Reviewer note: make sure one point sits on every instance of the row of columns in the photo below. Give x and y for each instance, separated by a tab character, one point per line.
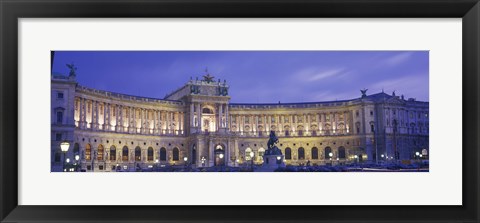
319	119
120	118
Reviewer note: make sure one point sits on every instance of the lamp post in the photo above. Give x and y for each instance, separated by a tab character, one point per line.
279	161
356	158
77	158
331	161
64	147
185	159
251	158
203	161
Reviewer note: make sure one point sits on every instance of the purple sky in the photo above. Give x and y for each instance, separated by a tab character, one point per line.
255	76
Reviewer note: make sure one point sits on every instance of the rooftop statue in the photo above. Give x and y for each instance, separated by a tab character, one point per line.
72	69
272	148
208	78
364	92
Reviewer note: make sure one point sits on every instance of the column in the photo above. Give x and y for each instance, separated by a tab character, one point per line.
159	116
227	118
256	123
220	115
84	116
135	126
192	124
155	122
117	119
345	122
107	111
309	130
105	125
95	115
199	117
122	123
129	114
141	120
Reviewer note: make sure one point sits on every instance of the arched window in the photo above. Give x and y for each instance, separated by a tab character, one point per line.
100	152
125	153
314	153
163	154
176	154
328	150
288	154
138	154
76	149
88	152
207	111
150	154
113	153
341	152
301	153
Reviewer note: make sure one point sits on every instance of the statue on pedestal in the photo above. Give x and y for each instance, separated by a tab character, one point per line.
272	148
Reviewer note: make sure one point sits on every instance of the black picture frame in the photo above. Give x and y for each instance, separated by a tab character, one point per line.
11	11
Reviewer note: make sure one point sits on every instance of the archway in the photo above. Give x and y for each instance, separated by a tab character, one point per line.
219	155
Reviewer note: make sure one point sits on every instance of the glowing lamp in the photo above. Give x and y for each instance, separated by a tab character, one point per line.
64	146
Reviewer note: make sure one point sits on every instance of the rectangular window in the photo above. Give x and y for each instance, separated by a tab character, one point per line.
286	119
59	95
58	137
59	117
273	119
247	120
371	113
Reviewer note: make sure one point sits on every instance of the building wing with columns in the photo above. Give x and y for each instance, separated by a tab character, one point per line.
197	125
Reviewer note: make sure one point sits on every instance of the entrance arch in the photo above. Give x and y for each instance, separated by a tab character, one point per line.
219	155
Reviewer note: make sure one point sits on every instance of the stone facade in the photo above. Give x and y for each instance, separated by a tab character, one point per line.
197	123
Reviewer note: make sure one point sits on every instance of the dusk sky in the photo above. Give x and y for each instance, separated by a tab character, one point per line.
255	76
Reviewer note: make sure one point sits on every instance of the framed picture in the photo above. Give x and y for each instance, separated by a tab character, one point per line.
239	111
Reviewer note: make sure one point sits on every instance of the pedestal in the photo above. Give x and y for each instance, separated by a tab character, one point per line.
272	162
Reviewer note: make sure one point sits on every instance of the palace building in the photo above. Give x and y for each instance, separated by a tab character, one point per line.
197	125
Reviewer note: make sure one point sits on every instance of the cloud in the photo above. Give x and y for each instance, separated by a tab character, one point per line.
398	59
316	74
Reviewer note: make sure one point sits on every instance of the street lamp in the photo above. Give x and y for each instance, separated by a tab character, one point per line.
251	158
356	158
203	161
185	160
77	158
64	147
331	161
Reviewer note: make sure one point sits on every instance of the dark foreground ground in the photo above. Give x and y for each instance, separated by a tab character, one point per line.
389	167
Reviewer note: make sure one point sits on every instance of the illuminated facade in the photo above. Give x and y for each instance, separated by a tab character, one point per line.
198	126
